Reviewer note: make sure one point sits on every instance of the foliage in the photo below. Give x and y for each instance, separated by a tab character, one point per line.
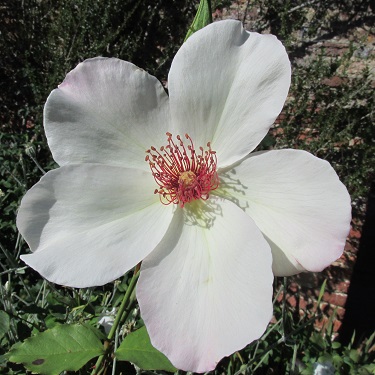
201	19
42	40
137	348
311	19
64	347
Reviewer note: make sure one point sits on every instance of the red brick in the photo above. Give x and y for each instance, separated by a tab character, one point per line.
342	286
354	233
334	81
349	247
322	324
292	301
340	311
293	287
336	299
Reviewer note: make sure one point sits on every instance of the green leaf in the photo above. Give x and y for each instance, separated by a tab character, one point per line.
337	360
354	356
321	293
336	345
267	142
4	323
369	343
63	348
137	348
201	19
97	332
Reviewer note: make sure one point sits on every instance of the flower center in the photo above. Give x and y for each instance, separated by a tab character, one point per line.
182	173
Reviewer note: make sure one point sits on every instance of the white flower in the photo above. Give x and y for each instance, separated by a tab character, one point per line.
205	286
325	368
107	319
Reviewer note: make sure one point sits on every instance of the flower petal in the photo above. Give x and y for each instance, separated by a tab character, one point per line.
227	86
86	223
299	204
106	111
206	290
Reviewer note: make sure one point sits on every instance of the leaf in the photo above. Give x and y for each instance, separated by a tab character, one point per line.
97	332
369	343
268	141
336	345
354	356
201	19
62	348
136	348
337	361
4	323
321	292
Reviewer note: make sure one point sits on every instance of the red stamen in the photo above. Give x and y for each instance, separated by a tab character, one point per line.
181	174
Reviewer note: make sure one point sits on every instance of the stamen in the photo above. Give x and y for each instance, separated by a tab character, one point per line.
181	174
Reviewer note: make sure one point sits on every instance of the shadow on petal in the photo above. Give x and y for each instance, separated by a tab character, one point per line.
34	213
202	213
230	187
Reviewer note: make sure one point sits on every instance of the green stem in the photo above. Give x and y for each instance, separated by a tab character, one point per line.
118	320
284	317
129	308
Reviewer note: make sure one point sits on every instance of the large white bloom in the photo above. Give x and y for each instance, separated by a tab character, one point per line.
208	263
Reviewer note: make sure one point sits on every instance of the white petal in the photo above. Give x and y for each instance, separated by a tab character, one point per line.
227	86
106	111
298	202
206	290
89	224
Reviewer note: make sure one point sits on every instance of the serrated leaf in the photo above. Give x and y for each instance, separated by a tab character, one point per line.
136	348
4	323
62	348
201	19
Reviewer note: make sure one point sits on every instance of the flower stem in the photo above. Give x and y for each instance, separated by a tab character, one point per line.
120	313
284	317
